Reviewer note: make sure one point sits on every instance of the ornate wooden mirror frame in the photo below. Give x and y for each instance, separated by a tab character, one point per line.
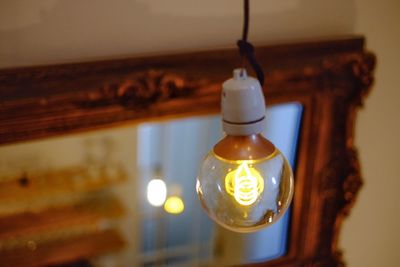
329	78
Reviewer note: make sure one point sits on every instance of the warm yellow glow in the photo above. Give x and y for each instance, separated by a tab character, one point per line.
174	205
245	184
156	192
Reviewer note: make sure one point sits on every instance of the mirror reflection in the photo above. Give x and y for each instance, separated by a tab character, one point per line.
126	197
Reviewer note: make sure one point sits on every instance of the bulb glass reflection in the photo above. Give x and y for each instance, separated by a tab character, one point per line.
245	195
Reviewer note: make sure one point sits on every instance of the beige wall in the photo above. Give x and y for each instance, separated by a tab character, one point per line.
371	235
52	31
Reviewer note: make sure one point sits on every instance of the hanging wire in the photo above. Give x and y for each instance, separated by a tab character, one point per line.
246	11
246	49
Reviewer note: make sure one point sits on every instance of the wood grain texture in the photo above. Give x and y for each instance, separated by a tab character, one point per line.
55	183
28	225
64	251
329	78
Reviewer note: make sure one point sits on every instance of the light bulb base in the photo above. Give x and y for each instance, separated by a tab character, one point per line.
243	105
243	129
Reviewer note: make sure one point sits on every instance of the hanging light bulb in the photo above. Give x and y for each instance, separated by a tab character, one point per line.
244	183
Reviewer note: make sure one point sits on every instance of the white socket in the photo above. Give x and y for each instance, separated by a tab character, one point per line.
242	104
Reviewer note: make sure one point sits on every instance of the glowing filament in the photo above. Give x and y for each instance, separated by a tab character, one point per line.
245	184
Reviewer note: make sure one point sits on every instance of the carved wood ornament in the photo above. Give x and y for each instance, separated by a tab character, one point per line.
329	78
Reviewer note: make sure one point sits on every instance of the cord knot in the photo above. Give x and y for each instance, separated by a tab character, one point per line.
246	50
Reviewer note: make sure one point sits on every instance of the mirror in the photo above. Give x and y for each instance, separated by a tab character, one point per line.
81	199
103	177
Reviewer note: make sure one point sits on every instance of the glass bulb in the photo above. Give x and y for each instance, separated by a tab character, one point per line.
245	183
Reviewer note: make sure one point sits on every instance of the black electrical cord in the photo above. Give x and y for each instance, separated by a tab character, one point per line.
246	49
246	11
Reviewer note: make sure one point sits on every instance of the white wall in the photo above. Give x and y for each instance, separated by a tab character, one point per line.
53	31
